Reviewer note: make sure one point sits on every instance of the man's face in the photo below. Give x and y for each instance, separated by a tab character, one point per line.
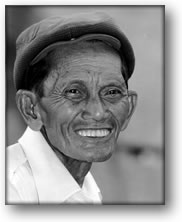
85	102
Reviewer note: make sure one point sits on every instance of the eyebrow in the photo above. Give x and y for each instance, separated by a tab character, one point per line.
80	82
115	83
83	83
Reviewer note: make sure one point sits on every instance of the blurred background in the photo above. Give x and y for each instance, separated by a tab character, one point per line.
135	172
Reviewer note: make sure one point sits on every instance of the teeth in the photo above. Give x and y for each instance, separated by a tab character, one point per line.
93	133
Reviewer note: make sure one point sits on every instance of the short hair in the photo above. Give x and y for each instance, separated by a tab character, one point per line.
37	73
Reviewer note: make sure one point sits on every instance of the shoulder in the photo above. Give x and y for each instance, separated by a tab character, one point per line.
15	157
20	182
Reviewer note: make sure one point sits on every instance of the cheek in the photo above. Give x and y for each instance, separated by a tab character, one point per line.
57	114
120	112
56	120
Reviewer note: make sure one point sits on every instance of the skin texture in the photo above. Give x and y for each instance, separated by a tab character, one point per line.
84	90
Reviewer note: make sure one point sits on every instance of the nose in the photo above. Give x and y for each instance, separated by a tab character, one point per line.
95	110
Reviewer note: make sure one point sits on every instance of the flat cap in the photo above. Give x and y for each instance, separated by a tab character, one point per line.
37	40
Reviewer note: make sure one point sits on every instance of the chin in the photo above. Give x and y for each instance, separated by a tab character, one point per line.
102	158
98	157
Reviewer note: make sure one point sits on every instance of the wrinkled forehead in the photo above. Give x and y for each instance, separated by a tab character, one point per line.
89	62
86	50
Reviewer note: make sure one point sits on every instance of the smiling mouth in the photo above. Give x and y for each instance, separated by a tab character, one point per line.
94	133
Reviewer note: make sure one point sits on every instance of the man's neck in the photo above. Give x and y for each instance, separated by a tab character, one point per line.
78	169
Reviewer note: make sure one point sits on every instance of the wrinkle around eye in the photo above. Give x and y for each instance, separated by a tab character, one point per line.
56	98
50	82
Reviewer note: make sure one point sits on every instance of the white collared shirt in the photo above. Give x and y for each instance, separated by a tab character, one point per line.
36	175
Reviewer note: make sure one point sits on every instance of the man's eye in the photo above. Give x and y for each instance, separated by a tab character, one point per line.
73	91
113	92
73	94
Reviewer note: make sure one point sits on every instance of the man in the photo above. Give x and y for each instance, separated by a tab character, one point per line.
71	76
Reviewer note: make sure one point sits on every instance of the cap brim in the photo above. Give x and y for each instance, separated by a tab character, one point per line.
110	40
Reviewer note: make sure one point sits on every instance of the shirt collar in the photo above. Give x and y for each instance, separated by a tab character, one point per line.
53	181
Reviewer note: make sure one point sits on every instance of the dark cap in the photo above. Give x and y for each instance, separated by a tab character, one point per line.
37	40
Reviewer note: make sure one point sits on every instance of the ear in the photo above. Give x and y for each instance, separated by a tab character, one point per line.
132	97
27	105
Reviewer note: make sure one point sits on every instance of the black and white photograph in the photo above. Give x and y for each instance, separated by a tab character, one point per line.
85	105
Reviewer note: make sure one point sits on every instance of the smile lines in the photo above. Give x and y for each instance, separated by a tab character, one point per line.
94	133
